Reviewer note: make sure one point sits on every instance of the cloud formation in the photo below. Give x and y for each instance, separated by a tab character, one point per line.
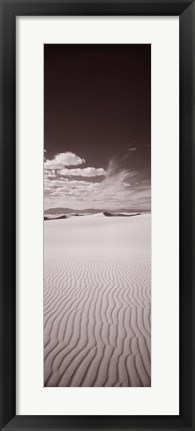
83	172
118	187
63	159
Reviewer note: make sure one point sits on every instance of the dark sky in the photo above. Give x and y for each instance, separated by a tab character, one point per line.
97	105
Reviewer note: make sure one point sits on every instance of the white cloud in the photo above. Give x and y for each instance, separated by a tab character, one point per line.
85	172
63	159
49	173
67	184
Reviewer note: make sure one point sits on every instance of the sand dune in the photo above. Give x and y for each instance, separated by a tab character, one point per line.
97	301
105	213
53	217
110	214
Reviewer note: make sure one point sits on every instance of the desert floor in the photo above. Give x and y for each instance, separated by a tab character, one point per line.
97	303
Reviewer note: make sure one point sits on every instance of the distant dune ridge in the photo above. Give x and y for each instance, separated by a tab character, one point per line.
111	214
97	303
56	216
61	211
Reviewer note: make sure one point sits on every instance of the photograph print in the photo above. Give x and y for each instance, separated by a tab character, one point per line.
97	215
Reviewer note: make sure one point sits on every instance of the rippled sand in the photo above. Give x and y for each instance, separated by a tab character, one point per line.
97	301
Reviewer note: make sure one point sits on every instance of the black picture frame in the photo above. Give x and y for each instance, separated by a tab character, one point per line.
9	10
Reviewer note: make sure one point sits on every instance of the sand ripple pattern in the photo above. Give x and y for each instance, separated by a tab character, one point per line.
96	320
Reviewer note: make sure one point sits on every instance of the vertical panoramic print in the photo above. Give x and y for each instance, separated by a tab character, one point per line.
97	215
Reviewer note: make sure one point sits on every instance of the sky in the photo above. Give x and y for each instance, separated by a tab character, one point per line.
97	126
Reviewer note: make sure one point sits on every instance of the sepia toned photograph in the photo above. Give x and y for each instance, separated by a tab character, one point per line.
97	215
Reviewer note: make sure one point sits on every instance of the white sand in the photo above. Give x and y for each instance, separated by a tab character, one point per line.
97	301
